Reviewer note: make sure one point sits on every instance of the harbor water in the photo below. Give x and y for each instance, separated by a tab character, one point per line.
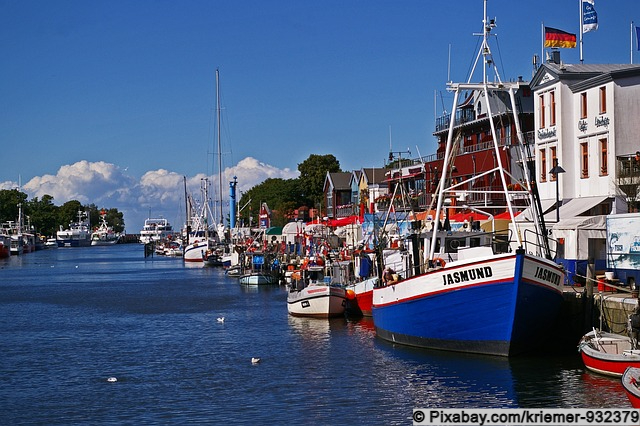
72	318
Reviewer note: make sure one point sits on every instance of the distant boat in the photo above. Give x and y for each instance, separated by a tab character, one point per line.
257	270
104	234
155	230
77	235
5	246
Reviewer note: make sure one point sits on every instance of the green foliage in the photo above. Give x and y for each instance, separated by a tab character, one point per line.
284	196
9	200
313	172
46	217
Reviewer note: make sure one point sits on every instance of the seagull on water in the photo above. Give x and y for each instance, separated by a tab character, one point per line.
112	379
255	360
221	319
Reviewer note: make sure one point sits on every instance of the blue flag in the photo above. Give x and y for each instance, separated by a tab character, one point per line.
589	16
638	38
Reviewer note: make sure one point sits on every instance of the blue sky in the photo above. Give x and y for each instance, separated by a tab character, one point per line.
112	102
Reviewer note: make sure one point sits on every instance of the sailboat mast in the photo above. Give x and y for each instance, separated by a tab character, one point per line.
219	144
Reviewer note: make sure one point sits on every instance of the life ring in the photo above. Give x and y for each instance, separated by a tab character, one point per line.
439	262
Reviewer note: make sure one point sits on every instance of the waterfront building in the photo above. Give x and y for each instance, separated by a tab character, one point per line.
586	122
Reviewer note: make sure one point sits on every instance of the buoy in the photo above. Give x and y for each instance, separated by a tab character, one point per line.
439	262
351	294
255	360
112	379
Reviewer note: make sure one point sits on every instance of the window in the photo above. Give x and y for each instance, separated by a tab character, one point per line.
554	161
583	105
543	165
584	153
552	107
603	157
603	100
541	100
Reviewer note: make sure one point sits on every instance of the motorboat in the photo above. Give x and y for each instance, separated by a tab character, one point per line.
311	296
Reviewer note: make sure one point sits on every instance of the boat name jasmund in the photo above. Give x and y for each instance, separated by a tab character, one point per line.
546	275
467	275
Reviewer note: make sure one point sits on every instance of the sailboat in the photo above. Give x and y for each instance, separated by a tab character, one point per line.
486	298
204	241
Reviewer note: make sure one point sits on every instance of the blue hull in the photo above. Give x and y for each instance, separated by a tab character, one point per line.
491	316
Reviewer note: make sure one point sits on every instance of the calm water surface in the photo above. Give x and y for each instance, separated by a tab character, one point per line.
72	318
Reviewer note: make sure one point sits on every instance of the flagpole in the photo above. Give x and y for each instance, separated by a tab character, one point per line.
631	41
542	45
580	7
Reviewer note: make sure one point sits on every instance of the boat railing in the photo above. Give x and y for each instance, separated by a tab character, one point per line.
532	243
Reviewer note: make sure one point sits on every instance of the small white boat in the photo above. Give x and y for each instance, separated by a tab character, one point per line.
257	270
310	296
77	235
155	230
104	234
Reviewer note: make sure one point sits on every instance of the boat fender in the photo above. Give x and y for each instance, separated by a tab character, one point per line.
439	262
350	294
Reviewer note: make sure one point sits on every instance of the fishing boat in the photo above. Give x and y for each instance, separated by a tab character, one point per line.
608	353
631	385
77	235
5	246
104	234
475	291
155	230
201	235
311	296
257	270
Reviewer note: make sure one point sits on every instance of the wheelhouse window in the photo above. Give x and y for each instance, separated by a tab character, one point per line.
584	160
542	110
604	155
583	105
552	106
603	100
543	165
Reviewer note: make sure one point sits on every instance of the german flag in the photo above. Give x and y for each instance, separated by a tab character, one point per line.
557	38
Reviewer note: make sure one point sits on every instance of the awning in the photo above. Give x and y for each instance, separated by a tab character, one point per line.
470	216
547	205
274	230
582	222
574	207
506	215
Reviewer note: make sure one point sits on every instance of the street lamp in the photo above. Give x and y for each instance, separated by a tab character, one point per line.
555	171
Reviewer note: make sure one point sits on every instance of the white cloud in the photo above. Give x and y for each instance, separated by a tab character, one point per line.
158	193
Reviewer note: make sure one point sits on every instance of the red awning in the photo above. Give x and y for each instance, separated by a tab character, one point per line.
343	221
470	216
505	215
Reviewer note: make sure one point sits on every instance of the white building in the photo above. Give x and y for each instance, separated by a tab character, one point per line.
586	117
587	121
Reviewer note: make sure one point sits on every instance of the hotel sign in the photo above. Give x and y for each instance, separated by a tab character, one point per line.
546	133
602	122
582	125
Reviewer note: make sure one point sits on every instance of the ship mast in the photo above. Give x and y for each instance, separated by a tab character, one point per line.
219	144
487	88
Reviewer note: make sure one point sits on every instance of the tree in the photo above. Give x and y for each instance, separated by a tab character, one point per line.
9	200
68	212
313	172
277	193
43	215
